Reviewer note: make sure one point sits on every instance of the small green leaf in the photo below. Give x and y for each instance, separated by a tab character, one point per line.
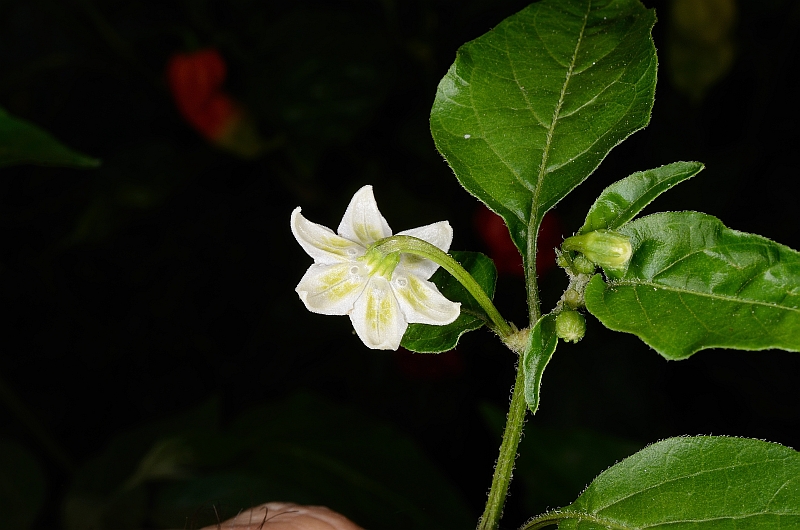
541	346
530	109
693	284
623	200
21	142
697	483
424	338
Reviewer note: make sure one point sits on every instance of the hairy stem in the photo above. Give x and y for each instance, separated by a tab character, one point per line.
490	520
508	453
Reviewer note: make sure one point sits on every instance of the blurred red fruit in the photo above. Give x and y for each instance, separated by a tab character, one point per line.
551	234
195	79
494	233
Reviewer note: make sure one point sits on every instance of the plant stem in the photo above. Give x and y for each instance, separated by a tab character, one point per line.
503	471
508	453
418	247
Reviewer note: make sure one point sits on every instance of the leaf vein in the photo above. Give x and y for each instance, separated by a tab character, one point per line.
509	55
593	99
774	495
489	145
682	477
707	519
725	298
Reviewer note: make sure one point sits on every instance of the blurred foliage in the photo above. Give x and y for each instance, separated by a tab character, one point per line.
24	143
22	485
141	289
700	45
302	448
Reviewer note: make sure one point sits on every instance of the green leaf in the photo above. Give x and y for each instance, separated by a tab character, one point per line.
623	200
693	284
22	486
542	344
696	483
530	109
21	142
425	338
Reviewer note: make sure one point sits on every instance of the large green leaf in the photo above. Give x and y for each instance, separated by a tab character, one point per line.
527	111
22	142
693	284
697	483
424	338
623	200
542	344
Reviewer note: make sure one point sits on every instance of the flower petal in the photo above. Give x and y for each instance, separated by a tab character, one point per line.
421	302
438	234
321	243
362	221
332	289
377	317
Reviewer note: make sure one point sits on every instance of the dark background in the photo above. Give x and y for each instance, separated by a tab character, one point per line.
165	278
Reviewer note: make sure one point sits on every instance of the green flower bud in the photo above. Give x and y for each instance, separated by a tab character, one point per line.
582	265
602	247
562	259
570	326
573	298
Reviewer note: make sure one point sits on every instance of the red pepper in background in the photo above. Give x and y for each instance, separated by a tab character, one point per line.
195	80
494	233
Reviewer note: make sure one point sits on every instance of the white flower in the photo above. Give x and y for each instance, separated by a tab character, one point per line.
382	294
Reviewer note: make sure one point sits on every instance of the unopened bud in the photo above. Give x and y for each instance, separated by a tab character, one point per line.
570	326
573	298
602	247
562	259
582	265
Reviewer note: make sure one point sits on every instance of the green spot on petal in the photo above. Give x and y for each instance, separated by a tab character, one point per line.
414	292
338	283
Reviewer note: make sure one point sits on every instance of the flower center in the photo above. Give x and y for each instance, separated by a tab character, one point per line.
379	263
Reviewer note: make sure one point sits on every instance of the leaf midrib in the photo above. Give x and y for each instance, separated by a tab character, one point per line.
614	502
634	283
556	113
616	525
